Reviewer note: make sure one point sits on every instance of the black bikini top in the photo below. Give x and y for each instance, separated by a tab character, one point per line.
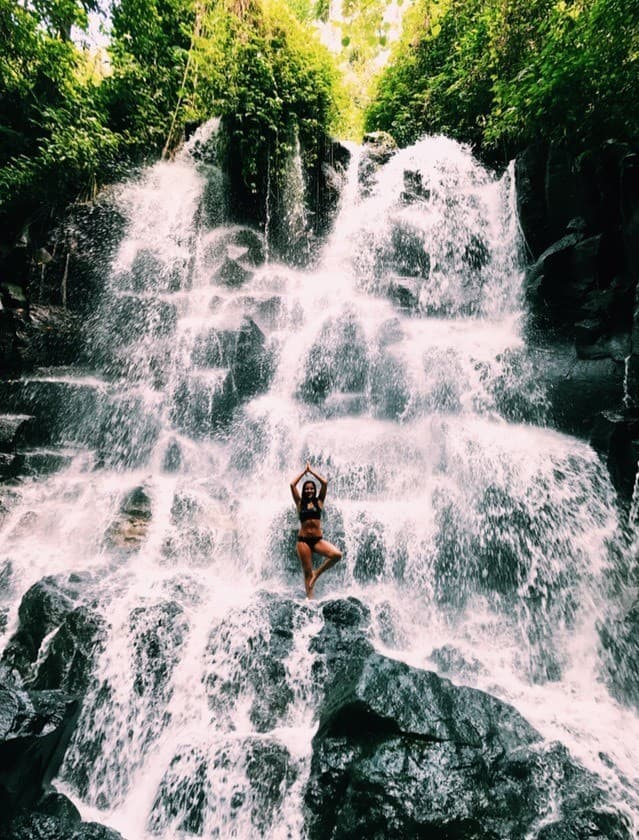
310	510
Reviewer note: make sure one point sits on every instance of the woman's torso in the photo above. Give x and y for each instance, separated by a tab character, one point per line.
310	524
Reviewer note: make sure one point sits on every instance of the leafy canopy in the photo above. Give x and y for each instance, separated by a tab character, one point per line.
503	73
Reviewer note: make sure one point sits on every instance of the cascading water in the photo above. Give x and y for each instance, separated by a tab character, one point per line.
481	540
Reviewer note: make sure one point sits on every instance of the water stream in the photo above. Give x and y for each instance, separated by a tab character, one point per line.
483	541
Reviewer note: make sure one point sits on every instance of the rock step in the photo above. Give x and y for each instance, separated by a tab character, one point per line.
56	406
14	430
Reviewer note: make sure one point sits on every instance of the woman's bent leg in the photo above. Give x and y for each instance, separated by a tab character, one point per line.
332	554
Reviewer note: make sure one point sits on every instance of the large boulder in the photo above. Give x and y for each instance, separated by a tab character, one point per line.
337	360
231	365
243	351
246	800
615	436
129	529
55	818
378	149
246	658
578	389
74	634
400	752
35	728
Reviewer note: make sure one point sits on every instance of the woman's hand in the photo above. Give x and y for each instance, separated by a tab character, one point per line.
307	468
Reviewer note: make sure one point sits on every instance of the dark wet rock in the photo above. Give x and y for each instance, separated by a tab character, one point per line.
530	168
243	351
337	361
213	204
567	191
404	291
172	457
406	255
325	182
183	793
371	550
476	254
124	431
389	387
250	244
232	273
148	273
15	264
40	462
55	817
615	436
71	655
52	335
145	270
620	647
402	753
450	660
578	389
15	431
49	607
130	528
95	831
41	826
85	245
414	188
580	216
270	773
387	623
60	406
130	317
378	149
263	774
13	296
241	366
587	823
251	365
204	404
247	652
342	643
35	728
159	633
269	312
43	608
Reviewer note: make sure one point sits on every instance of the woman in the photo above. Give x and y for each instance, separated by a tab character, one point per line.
309	507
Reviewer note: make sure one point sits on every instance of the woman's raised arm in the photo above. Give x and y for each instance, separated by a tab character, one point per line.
294	483
323	482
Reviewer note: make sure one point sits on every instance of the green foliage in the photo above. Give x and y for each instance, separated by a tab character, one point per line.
503	73
53	138
67	123
266	74
151	42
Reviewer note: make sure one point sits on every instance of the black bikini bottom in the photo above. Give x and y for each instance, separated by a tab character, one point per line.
310	541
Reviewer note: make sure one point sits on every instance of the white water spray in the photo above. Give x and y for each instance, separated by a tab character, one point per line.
397	366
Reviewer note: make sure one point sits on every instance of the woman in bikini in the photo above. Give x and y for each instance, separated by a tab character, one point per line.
309	507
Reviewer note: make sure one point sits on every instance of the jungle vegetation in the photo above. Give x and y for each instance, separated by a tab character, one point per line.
501	74
496	73
73	118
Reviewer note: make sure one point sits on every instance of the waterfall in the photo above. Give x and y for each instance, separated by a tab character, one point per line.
482	540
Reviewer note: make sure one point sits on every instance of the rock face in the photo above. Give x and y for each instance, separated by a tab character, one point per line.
232	365
379	147
41	689
400	752
580	220
35	729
